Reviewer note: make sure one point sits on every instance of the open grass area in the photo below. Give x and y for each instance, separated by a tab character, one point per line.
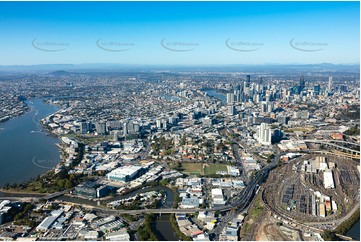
193	168
211	169
202	169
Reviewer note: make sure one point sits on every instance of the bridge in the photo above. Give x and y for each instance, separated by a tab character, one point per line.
335	153
55	194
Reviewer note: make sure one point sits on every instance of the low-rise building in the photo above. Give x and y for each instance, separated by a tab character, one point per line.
120	235
190	202
125	174
328	179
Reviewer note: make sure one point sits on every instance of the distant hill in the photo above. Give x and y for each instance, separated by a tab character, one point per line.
59	73
62	69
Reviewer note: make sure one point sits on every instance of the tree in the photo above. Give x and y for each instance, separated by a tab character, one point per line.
329	235
163	183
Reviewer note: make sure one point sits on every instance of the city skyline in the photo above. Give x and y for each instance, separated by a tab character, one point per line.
178	33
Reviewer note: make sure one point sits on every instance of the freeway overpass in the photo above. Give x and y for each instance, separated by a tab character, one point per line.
335	153
334	144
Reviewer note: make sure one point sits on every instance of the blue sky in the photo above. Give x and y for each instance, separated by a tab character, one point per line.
193	33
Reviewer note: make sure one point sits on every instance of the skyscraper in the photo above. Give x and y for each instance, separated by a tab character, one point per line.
316	89
302	83
84	127
231	110
230	98
329	83
248	80
125	128
264	134
100	127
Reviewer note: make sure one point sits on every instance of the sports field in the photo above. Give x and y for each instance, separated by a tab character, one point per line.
202	169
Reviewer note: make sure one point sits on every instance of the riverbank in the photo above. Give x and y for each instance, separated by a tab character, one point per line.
9	191
346	226
27	151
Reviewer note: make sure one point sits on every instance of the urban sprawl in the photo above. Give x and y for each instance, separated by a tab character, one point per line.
222	156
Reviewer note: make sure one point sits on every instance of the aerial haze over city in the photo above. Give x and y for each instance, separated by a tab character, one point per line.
204	121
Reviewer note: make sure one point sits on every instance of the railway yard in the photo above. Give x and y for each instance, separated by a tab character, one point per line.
314	189
304	197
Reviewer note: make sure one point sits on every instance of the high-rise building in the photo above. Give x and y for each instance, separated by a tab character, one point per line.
100	127
270	107
316	89
231	110
114	124
343	88
264	134
125	128
248	80
84	127
230	98
329	87
302	83
159	124
263	108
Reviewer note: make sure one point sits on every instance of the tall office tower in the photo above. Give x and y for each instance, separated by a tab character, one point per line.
270	107
268	98
114	124
302	83
83	127
230	98
125	128
237	96
262	129
231	110
329	83
248	80
263	107
136	127
164	124
159	123
100	127
343	88
250	120
316	90
264	134
257	98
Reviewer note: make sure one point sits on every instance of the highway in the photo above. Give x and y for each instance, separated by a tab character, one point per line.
235	148
246	196
331	143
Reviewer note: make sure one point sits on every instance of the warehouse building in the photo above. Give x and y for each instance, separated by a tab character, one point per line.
125	174
328	179
217	197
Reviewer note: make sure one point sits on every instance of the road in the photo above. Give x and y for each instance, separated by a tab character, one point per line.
246	196
235	148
